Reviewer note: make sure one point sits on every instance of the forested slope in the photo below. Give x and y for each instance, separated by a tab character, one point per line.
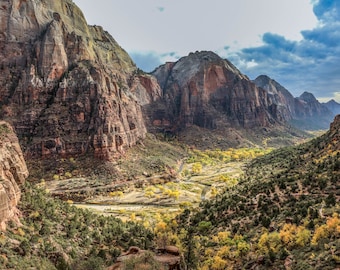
284	211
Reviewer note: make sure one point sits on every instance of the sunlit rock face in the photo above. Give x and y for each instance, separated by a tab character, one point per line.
66	86
204	90
13	172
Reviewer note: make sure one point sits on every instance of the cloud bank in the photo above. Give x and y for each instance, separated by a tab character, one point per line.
311	64
294	42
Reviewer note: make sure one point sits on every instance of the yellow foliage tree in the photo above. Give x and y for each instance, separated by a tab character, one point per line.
196	168
218	263
287	234
269	242
303	236
329	230
321	232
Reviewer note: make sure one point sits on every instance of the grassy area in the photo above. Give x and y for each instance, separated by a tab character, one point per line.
186	189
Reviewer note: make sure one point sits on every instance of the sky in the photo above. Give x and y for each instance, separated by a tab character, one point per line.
295	42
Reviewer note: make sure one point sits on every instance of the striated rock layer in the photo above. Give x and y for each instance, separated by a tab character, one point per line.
64	85
13	172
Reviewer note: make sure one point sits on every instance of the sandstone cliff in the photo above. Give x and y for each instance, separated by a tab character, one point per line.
13	172
64	85
204	90
280	96
305	112
206	100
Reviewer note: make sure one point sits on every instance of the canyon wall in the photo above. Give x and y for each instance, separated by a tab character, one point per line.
64	85
13	172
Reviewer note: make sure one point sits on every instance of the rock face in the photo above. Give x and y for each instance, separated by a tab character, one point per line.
334	132
279	95
333	106
13	172
306	112
204	90
168	258
66	86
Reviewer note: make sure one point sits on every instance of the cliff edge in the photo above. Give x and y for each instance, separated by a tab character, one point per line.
65	85
13	172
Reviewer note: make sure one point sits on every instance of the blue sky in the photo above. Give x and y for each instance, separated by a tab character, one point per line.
295	42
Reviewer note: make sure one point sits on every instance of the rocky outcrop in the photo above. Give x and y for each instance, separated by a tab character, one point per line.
13	172
204	90
284	100
168	258
66	86
305	112
334	132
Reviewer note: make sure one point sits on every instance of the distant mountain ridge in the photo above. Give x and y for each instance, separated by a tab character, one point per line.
203	89
333	106
305	112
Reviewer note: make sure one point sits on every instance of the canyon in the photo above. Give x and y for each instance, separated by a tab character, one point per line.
69	89
183	155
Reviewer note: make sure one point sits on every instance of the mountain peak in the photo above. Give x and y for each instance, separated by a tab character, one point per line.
272	86
205	55
308	97
333	106
199	61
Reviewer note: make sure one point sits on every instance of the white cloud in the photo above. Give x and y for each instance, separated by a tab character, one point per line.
190	25
280	38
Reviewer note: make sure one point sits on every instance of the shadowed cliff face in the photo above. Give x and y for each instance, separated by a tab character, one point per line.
13	172
64	85
305	112
334	131
204	90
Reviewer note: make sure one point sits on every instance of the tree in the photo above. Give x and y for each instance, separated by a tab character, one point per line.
302	236
218	263
287	234
196	168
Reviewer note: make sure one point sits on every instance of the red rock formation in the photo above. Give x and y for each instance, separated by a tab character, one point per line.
64	85
13	172
204	90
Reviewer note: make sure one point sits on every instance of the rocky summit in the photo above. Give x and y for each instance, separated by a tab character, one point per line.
204	90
